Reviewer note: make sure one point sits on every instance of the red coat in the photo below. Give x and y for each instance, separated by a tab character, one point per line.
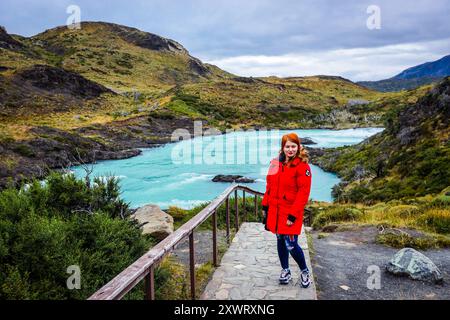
287	192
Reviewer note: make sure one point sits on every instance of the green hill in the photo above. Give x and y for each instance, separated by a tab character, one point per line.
410	158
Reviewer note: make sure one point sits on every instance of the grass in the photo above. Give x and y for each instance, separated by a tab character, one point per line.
406	240
429	214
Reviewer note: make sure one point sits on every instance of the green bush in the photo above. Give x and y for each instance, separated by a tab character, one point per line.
177	213
45	228
441	201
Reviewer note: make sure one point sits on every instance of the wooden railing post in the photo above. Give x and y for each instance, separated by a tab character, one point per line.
228	218
256	208
243	206
214	226
149	284
236	208
192	263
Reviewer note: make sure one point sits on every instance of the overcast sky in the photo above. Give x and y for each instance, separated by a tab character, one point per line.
262	37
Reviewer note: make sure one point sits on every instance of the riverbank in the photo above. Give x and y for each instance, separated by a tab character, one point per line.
54	149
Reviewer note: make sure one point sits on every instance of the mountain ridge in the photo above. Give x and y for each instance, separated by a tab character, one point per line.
413	77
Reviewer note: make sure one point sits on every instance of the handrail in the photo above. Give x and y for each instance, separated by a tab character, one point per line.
144	266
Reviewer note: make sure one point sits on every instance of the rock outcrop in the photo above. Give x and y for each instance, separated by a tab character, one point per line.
58	80
154	221
8	42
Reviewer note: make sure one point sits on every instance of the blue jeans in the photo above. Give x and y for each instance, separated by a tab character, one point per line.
288	244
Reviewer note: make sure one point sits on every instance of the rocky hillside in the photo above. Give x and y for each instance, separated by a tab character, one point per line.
409	158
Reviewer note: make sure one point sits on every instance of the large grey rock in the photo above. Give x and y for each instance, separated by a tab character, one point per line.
414	264
155	222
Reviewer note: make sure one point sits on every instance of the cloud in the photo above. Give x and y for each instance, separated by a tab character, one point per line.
232	32
354	63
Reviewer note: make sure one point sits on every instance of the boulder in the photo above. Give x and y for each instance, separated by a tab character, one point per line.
155	222
307	141
232	178
409	262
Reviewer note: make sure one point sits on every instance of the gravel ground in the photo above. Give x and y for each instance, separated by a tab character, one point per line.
203	251
342	259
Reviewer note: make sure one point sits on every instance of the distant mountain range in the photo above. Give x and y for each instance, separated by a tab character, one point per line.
413	77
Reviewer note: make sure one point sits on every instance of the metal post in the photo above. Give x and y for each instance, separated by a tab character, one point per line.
191	263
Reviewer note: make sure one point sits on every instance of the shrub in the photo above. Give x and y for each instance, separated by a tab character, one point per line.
403	211
42	233
437	220
336	214
441	201
177	213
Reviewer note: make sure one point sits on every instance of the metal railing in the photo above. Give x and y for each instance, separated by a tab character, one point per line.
144	267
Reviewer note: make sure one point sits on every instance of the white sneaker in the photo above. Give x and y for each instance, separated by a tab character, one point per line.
305	279
285	276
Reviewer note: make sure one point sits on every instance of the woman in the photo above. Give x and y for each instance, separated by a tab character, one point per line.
287	192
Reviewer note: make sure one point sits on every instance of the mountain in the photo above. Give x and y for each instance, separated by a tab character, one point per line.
413	77
121	57
438	68
102	91
408	159
8	42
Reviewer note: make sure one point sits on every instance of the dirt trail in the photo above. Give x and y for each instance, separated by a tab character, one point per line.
342	259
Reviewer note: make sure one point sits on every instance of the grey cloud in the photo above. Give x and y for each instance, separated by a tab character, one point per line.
220	29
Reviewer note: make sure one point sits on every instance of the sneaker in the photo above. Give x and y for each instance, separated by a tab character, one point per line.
285	276
305	279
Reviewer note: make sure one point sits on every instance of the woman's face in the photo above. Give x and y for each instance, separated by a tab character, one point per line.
290	149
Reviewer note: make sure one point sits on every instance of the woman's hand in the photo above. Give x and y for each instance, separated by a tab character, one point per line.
289	223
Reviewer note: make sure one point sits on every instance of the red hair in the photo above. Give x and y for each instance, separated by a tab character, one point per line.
302	153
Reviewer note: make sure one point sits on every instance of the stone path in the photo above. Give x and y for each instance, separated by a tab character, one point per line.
249	270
